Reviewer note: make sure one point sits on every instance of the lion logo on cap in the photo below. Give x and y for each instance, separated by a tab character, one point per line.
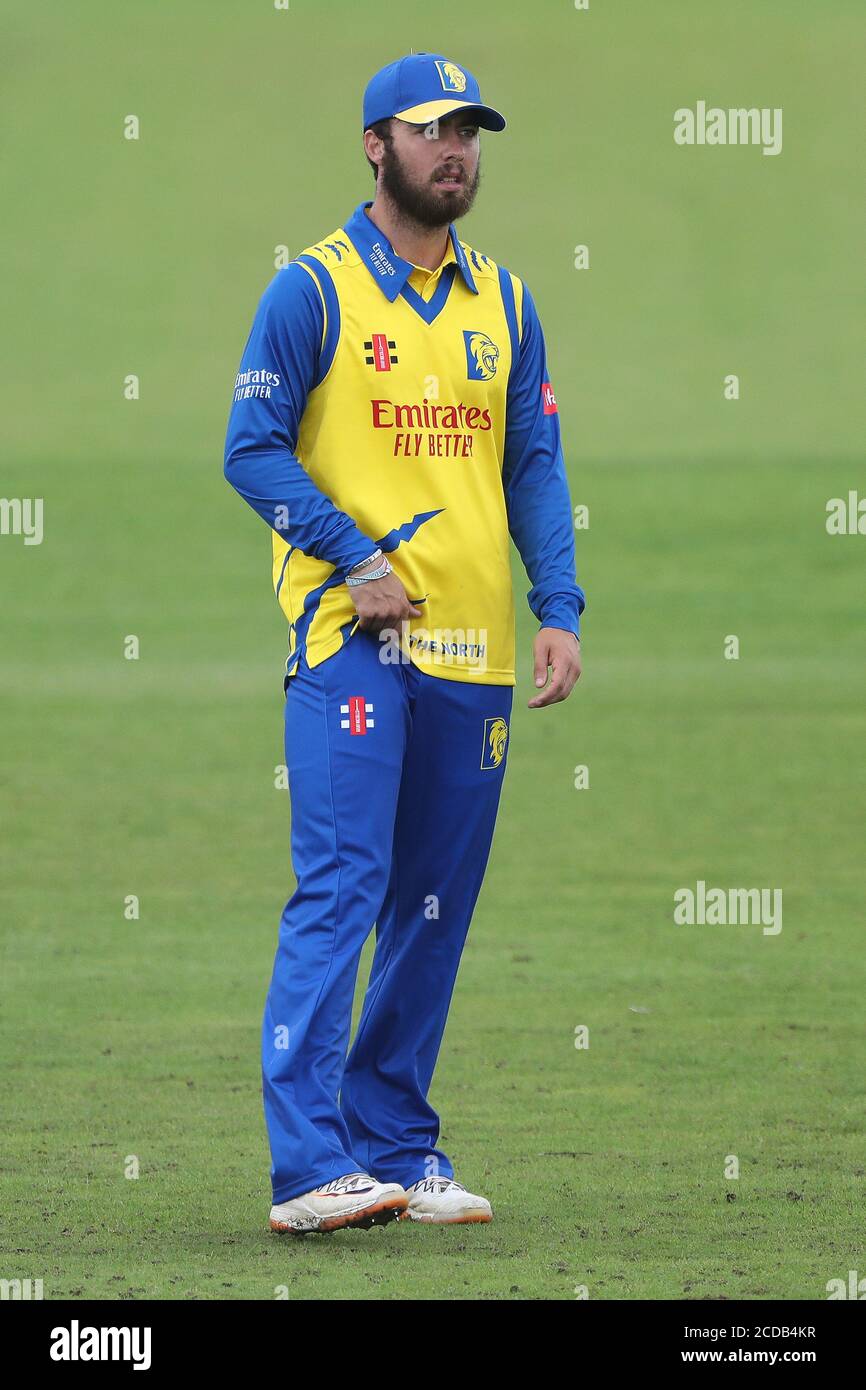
453	80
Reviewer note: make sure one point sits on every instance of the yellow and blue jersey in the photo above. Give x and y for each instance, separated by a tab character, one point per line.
379	404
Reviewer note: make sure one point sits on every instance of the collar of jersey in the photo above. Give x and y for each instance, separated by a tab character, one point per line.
389	270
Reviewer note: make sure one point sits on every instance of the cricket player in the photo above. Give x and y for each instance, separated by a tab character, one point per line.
393	422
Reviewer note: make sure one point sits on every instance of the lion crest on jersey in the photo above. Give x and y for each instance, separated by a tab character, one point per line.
495	738
482	355
451	77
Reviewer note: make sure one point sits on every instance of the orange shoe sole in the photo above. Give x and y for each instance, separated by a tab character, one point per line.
377	1215
474	1219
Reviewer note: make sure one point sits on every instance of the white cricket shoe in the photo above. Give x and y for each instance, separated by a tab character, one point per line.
355	1200
445	1201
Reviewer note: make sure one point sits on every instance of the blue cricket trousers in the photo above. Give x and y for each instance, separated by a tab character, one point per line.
394	778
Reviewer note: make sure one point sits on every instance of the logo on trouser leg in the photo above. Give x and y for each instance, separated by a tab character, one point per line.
357	715
495	738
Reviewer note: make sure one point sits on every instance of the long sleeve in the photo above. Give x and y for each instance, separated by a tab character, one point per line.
540	516
280	365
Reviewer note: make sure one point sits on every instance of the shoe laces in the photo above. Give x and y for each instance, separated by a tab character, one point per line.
348	1183
431	1184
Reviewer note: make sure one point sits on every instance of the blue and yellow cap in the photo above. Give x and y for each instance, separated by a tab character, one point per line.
423	86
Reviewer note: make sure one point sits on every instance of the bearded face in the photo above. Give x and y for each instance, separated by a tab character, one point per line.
429	191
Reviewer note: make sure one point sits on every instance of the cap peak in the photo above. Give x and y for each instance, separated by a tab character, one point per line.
421	87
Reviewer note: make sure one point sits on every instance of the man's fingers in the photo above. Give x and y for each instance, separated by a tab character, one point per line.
561	685
377	622
553	695
542	661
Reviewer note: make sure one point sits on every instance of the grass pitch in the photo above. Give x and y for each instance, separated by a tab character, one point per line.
131	1046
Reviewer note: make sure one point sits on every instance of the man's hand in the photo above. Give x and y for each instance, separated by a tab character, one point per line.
382	603
560	650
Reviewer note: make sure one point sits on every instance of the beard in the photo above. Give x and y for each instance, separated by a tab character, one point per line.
424	203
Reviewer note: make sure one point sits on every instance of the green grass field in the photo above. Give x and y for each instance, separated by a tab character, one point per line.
606	1166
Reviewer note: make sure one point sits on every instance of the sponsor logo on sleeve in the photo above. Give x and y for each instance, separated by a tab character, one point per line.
255	384
548	399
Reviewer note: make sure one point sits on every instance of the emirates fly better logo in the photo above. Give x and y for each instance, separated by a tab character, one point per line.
430	429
